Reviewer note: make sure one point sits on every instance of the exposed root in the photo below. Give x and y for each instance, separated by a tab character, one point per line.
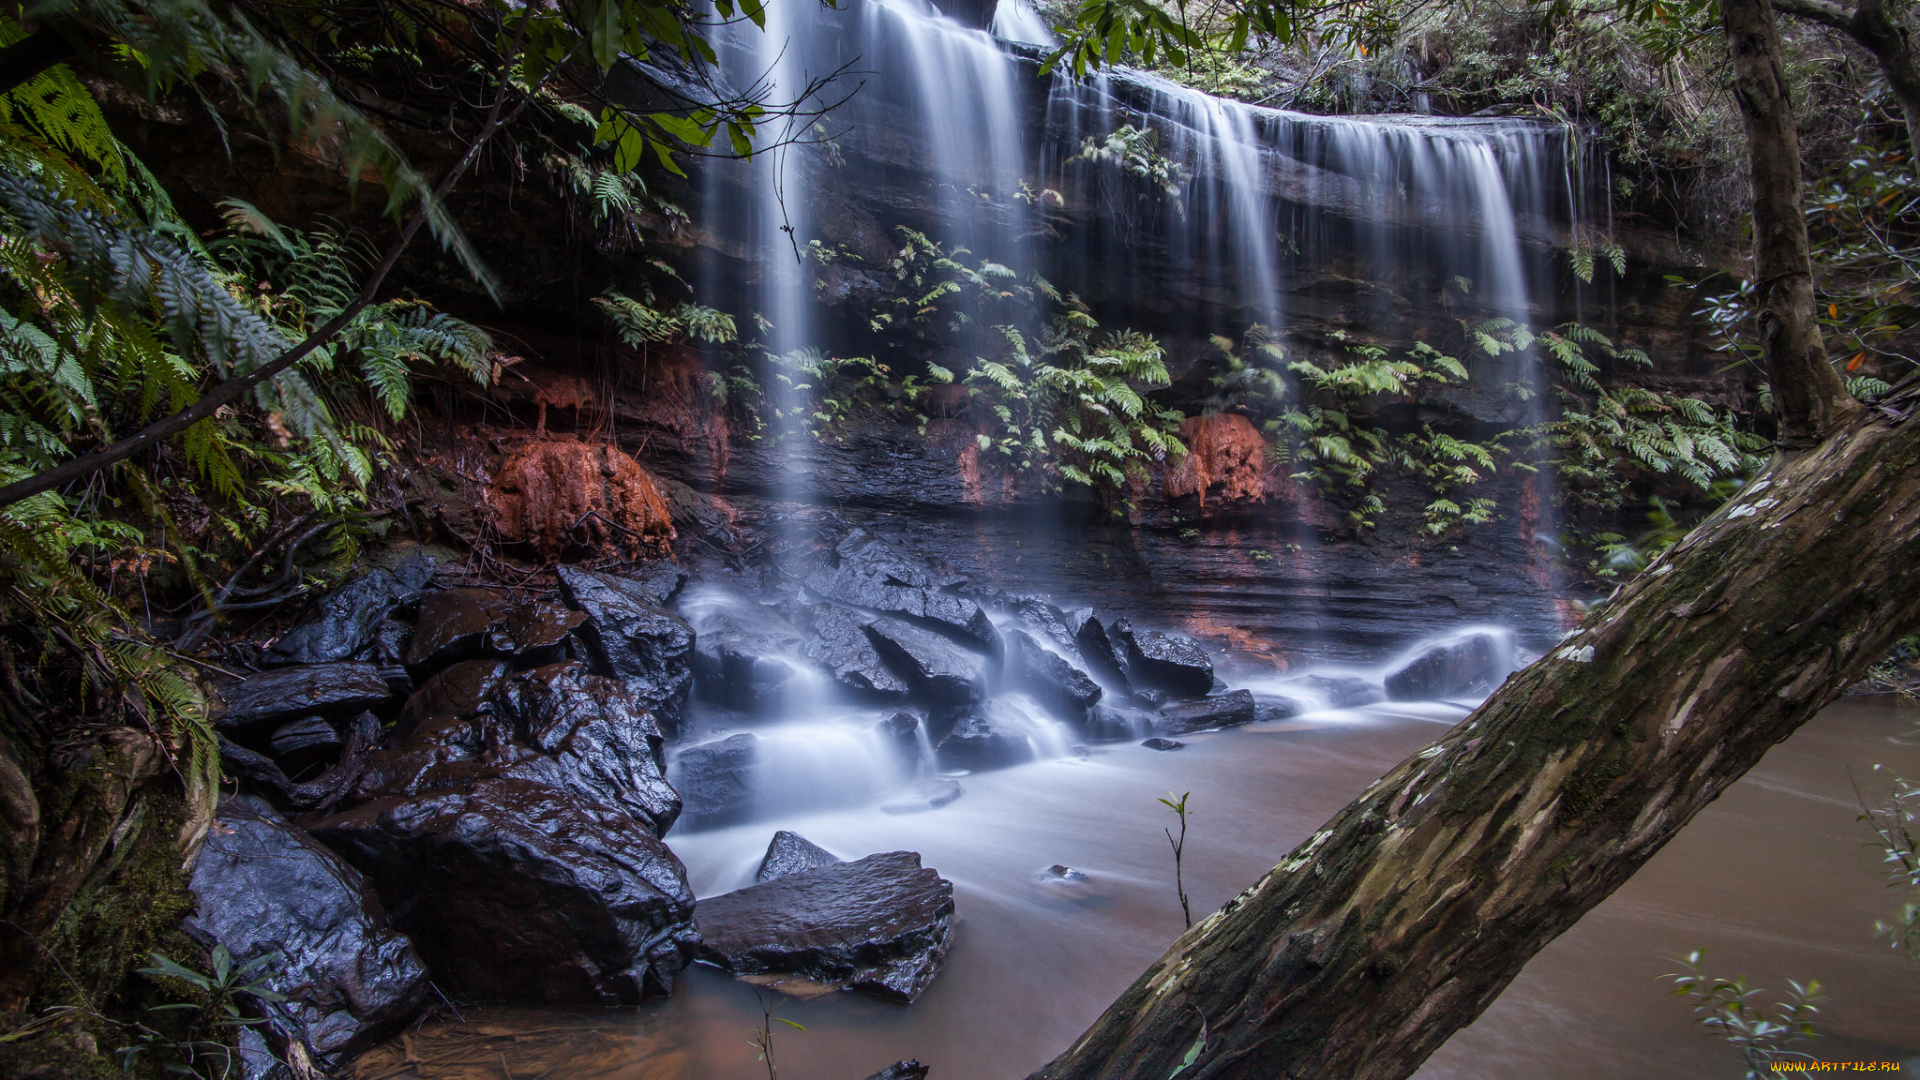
557	494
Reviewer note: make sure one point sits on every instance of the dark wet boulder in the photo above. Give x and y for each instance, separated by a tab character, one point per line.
608	747
838	642
790	853
1158	743
631	638
1269	710
658	582
902	1070
305	734
464	690
1046	621
977	745
746	657
307	690
518	891
869	573
940	672
1056	684
1171	663
881	925
1466	665
264	888
344	625
1226	710
715	780
1114	725
1105	657
923	796
465	624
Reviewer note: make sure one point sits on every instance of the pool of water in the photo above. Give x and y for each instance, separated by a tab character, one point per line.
1776	880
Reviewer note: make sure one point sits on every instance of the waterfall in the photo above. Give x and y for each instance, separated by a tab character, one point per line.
952	131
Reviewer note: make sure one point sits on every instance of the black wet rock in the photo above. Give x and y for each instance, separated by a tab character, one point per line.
1171	663
1186	717
1105	657
1062	872
938	671
609	748
923	796
977	745
790	853
1466	665
869	573
715	780
1046	621
1056	684
518	891
469	623
880	925
1264	711
264	888
1157	743
306	733
464	690
902	1070
1106	724
838	642
344	625
629	637
306	690
658	582
1149	699
744	656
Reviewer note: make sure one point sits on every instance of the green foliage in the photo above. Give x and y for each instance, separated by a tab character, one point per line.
1051	394
1893	823
220	1000
640	323
1733	1010
1135	152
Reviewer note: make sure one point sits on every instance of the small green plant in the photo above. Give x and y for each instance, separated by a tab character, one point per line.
223	995
1893	823
762	1040
1731	1009
1179	808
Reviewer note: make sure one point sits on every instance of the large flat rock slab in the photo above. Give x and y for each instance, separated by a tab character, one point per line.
881	925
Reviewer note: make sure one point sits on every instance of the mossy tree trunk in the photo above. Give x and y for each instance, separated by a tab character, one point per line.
1401	920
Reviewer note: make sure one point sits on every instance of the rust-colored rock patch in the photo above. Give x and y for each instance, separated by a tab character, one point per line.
556	494
1225	456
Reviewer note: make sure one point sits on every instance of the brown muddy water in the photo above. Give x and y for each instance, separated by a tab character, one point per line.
1776	880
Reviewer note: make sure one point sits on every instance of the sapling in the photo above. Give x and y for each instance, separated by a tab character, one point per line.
763	1035
1179	808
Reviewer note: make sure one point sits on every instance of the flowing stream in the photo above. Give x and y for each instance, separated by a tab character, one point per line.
1775	880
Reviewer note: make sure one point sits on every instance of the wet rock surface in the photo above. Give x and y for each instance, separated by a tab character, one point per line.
265	889
345	624
902	1070
744	656
881	925
871	574
1169	663
1341	691
466	624
790	853
715	780
840	644
1468	665
292	692
607	747
1226	710
977	744
517	891
629	637
940	672
1157	743
1050	678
